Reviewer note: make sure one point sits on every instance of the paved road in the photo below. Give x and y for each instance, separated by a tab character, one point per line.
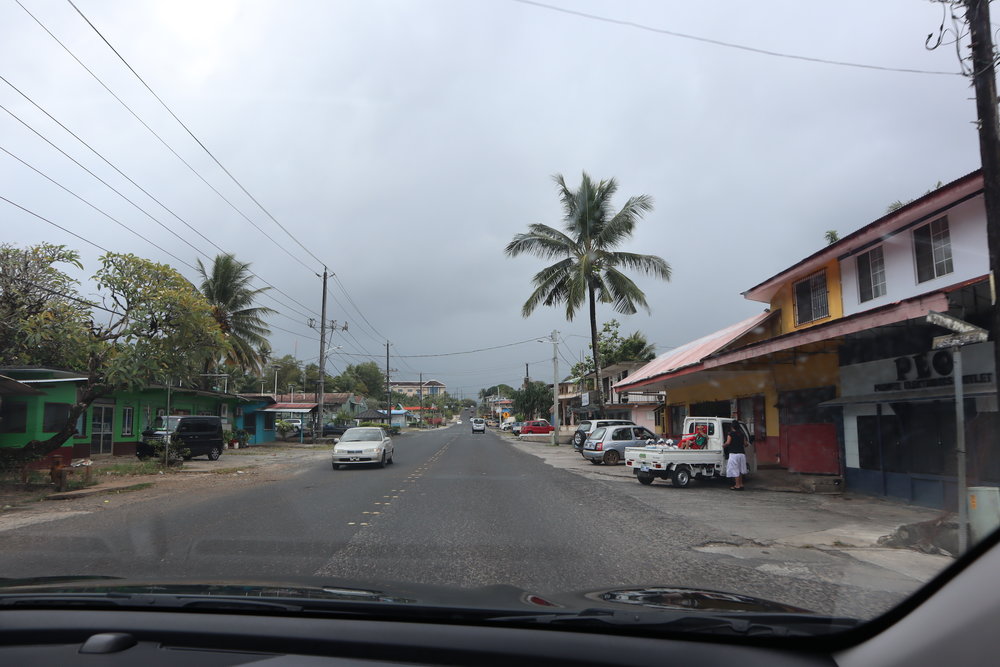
456	509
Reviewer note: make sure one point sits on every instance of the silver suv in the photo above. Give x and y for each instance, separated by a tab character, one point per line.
478	425
588	426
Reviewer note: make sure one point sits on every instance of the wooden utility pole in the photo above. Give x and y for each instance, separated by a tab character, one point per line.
320	418
977	15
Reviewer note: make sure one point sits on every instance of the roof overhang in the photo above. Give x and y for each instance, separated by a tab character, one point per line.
11	387
945	393
900	311
295	410
688	358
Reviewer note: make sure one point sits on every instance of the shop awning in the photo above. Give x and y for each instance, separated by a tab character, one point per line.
943	393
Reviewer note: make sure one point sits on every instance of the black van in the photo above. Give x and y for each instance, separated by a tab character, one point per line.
194	435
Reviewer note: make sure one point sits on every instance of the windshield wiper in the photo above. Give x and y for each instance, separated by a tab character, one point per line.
744	624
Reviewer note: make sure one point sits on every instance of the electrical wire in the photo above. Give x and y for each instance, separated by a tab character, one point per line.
126	177
482	349
158	137
729	45
101	211
191	134
56	225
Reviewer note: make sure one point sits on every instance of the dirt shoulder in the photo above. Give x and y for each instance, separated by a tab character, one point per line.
130	478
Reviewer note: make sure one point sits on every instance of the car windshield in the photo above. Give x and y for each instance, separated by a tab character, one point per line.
431	219
361	435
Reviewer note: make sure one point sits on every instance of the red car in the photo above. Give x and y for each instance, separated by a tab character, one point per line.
538	426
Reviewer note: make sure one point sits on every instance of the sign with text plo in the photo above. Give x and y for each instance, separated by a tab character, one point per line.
952	323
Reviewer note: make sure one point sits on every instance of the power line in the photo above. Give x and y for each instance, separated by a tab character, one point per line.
191	134
158	137
58	226
729	45
126	177
336	279
482	349
102	212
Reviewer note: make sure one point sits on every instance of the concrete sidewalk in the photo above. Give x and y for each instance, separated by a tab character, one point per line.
768	522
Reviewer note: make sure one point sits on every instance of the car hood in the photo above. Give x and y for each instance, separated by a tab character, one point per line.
357	444
496	598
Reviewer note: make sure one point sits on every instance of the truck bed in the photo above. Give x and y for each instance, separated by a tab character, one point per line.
658	457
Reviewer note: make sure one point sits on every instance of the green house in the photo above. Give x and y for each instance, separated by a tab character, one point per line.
111	425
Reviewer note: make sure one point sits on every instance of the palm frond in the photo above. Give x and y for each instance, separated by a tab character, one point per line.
619	227
651	265
541	241
625	294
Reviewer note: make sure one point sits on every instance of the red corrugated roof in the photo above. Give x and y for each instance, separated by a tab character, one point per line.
689	354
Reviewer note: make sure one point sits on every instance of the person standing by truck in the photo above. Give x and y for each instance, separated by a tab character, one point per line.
735	449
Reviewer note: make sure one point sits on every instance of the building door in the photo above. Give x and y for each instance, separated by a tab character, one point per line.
101	431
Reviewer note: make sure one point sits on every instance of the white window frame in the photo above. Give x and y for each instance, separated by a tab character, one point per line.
875	276
128	420
939	241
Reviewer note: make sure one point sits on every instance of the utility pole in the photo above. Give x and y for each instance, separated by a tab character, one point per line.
420	399
977	14
319	419
555	386
388	394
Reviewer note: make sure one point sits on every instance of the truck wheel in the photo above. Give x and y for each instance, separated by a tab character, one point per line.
612	457
645	478
681	477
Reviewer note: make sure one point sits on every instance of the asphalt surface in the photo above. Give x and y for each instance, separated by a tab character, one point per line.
456	509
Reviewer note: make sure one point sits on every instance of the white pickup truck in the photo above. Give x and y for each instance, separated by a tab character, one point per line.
689	456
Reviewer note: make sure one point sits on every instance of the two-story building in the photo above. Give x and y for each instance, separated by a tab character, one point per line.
838	376
416	388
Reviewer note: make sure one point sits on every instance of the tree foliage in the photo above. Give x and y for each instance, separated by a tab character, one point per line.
589	270
42	318
614	349
227	287
365	379
533	401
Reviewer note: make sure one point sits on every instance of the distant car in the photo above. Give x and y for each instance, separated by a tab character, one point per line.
492	423
607	444
538	426
458	421
363	444
588	426
478	425
516	427
506	426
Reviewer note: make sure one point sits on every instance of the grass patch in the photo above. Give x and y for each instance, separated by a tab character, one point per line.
133	468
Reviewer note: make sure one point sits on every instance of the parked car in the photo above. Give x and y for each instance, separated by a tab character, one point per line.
537	426
607	444
193	435
516	427
478	425
361	445
333	430
588	426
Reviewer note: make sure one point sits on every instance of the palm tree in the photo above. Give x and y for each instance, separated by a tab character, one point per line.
227	288
589	268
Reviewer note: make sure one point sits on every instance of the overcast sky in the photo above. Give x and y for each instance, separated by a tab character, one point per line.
405	142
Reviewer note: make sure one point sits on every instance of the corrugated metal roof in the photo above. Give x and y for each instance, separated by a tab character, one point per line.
690	354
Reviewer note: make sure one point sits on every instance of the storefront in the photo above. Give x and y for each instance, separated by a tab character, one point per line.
899	424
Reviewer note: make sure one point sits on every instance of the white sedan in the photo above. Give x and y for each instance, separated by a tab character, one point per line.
363	444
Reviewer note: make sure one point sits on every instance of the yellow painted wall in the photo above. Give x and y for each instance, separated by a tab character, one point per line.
783	300
811	369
